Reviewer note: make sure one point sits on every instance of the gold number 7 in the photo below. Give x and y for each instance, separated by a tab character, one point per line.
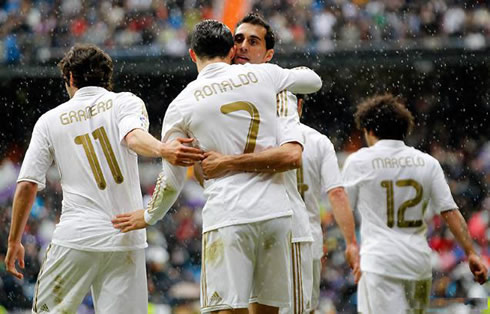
101	135
253	129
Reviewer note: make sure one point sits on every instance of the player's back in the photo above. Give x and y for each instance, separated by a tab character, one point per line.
395	184
232	110
99	174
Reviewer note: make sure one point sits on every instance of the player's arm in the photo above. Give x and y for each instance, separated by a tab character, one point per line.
169	183
32	177
300	80
25	194
176	152
286	156
276	159
459	228
168	187
344	218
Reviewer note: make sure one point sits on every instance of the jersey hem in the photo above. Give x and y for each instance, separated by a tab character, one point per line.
231	223
395	275
302	239
92	249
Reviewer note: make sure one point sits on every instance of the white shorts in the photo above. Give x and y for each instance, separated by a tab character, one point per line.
301	278
117	281
246	263
317	274
382	294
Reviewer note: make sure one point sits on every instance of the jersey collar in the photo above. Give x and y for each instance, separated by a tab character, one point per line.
89	91
210	70
389	143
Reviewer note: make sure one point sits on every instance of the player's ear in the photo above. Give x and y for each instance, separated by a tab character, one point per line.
232	52
269	54
71	81
193	55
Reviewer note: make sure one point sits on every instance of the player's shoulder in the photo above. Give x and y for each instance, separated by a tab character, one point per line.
124	96
314	134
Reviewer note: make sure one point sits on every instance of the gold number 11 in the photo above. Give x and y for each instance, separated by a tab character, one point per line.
101	135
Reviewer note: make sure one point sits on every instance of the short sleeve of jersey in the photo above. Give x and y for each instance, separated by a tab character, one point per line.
288	124
38	157
330	173
173	124
131	115
441	198
350	177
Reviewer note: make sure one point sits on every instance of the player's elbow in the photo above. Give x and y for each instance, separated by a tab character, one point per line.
337	195
27	186
292	158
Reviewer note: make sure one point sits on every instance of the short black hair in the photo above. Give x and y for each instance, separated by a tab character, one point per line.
211	39
386	116
89	65
256	19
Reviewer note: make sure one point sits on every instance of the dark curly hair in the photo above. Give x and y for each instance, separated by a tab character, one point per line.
386	116
89	65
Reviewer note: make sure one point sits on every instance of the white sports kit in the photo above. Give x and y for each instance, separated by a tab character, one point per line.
318	174
84	137
391	185
231	109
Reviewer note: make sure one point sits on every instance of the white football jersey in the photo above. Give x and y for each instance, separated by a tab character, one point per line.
84	137
319	174
287	111
391	185
231	109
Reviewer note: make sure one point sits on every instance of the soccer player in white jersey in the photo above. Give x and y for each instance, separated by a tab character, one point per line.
254	41
392	185
231	109
319	174
92	139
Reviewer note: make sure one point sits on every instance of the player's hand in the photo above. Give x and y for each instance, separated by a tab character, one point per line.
179	154
130	221
478	268
352	257
213	165
15	252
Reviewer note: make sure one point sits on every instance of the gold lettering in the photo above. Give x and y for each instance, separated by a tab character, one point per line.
207	90
81	113
409	161
198	94
394	162
378	163
64	119
225	85
100	107
233	83
252	77
108	104
73	116
388	162
403	165
244	79
213	85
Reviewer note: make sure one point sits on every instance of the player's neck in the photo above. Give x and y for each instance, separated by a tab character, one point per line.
201	64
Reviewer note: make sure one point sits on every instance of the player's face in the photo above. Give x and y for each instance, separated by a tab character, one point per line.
250	44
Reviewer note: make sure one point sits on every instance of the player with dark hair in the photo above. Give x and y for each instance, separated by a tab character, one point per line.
93	139
231	109
253	47
392	185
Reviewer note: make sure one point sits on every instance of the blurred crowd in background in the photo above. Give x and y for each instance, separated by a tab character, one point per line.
31	30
